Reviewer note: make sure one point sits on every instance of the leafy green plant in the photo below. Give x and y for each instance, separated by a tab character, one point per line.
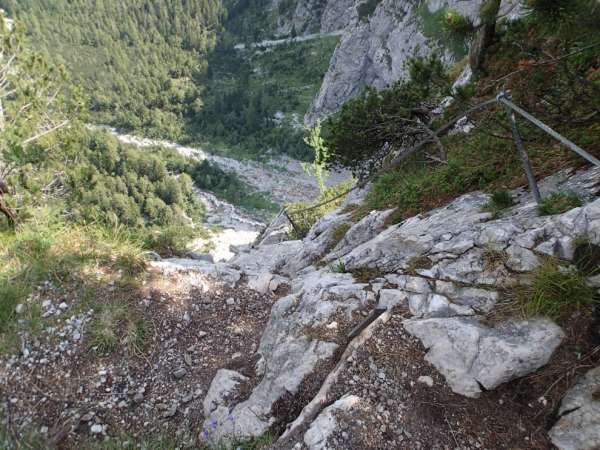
453	22
498	202
556	292
558	203
338	267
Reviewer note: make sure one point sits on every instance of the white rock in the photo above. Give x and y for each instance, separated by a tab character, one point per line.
425	379
468	354
579	425
326	423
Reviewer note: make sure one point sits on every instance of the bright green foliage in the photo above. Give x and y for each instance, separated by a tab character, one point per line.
558	203
556	292
317	169
115	183
454	22
138	59
338	267
376	123
304	220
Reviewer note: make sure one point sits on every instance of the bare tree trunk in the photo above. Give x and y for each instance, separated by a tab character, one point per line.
484	36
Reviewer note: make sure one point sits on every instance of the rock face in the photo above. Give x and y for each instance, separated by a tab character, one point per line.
305	17
579	425
289	352
375	47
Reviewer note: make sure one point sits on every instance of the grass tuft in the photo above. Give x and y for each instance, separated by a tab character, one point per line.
558	203
499	202
556	292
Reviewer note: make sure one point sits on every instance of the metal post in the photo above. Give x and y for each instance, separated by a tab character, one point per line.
524	157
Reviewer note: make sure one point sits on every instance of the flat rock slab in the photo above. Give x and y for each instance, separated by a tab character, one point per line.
470	355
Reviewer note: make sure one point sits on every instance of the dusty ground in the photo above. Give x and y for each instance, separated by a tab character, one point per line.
66	389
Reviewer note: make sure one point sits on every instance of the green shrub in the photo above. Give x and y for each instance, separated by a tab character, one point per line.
558	203
338	267
366	9
556	292
304	220
499	201
454	22
369	127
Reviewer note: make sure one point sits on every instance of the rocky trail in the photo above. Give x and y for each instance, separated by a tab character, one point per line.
397	336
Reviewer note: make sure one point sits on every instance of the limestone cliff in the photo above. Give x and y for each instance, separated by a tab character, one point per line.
379	38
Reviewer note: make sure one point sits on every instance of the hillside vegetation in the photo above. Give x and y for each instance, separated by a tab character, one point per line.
138	60
548	60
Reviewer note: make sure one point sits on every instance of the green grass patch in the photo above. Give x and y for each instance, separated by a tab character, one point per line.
338	267
556	292
366	9
558	203
339	231
498	202
77	259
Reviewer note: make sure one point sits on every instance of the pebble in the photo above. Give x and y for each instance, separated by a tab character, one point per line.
138	398
427	380
179	373
20	308
230	301
96	429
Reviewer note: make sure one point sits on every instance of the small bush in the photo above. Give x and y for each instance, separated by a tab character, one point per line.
304	220
556	292
499	201
454	22
338	267
558	203
366	9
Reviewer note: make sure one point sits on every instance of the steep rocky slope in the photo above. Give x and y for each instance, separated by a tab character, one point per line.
395	336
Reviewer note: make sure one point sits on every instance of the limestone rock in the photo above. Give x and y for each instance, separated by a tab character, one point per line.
222	386
579	425
325	425
468	353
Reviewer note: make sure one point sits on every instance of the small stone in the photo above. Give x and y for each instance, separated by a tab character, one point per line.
63	306
202	334
188	359
20	308
179	373
76	335
237	355
427	380
96	429
230	301
138	398
170	412
87	417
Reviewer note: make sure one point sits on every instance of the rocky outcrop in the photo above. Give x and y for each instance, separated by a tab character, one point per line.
472	356
443	268
374	49
305	17
579	425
